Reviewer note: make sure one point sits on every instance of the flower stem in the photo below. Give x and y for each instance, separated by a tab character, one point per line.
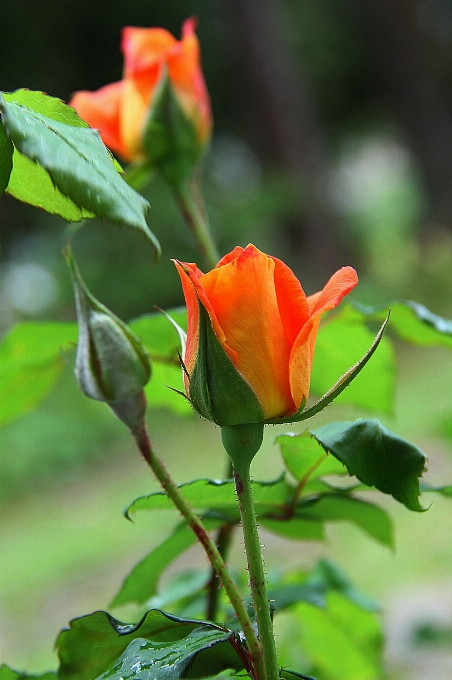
191	205
254	646
256	568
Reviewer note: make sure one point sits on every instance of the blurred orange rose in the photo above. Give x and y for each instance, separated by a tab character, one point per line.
121	110
266	326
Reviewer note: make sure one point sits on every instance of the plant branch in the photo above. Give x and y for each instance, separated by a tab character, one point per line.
193	521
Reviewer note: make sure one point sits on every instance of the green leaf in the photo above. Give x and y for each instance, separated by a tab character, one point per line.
142	582
413	322
340	343
305	459
295	528
286	674
445	491
314	587
93	643
162	342
211	494
377	457
340	507
30	364
6	158
76	162
343	382
8	674
341	640
148	660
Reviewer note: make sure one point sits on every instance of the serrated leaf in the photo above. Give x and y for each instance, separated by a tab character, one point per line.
6	158
305	459
211	494
377	457
340	343
148	660
77	163
30	364
339	507
142	582
93	643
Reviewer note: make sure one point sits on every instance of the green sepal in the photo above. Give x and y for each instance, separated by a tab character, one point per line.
170	140
338	387
217	390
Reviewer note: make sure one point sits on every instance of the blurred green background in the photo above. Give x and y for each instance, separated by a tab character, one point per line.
332	146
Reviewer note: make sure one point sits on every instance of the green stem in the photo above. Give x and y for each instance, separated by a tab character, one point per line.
193	521
256	567
192	208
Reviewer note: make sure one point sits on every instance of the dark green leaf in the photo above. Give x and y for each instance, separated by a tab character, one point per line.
30	363
148	660
377	457
76	162
93	643
306	459
343	382
286	674
339	507
6	158
141	584
340	344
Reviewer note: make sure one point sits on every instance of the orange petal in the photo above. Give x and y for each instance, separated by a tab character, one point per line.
144	48
292	301
302	355
133	114
101	110
341	283
242	293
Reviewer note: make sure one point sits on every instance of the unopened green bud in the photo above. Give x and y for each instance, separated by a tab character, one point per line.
111	364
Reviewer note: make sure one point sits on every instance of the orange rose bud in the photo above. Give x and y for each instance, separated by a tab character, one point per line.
160	110
251	336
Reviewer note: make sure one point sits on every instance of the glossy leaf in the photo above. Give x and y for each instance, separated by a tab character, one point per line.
6	158
142	582
93	643
305	459
341	342
75	161
371	518
377	457
30	364
148	660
